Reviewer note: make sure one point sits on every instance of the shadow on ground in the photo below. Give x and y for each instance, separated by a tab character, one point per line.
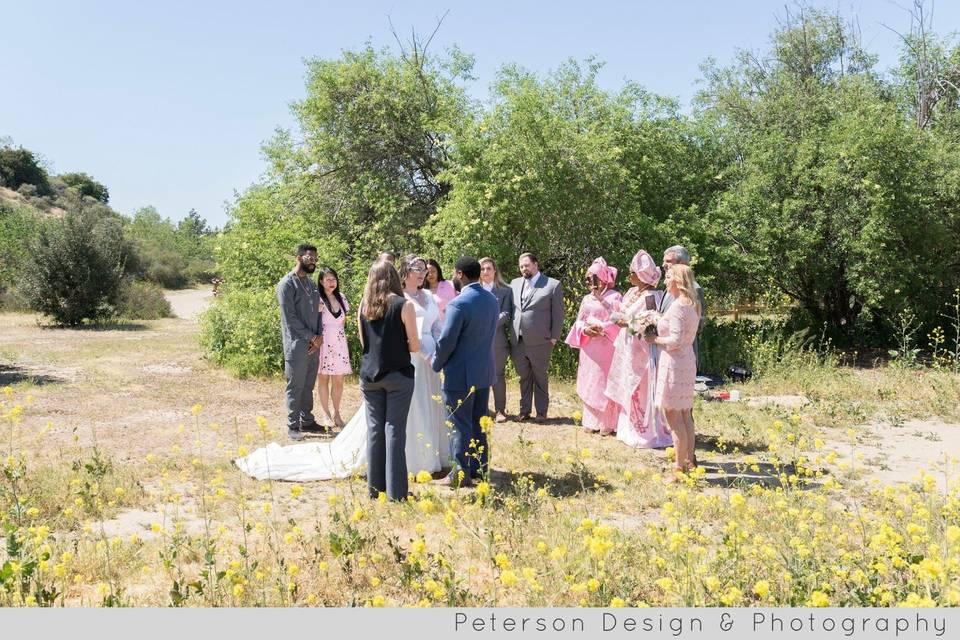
732	474
12	374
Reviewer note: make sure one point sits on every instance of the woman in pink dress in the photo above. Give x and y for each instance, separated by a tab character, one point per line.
443	290
677	370
334	355
593	333
633	373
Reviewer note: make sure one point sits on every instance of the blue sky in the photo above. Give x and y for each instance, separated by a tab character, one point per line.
167	103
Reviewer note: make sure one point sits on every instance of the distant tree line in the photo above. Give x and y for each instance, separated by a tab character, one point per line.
66	253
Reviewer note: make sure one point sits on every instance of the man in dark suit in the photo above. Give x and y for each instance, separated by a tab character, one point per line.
465	355
537	323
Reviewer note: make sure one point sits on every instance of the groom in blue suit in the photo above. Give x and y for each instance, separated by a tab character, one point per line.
465	354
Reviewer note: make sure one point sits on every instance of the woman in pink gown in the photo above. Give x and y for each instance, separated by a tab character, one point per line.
633	373
677	368
593	333
443	290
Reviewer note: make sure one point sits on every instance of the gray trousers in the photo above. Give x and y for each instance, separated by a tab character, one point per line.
388	403
300	370
500	354
532	365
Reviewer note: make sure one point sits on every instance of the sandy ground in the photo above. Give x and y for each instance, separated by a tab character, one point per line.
188	304
128	389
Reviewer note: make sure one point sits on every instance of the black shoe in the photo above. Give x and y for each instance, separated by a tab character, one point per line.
295	434
314	427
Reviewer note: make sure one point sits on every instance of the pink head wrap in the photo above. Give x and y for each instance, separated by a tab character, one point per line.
604	272
645	268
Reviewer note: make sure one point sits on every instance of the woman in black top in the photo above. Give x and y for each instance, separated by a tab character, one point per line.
388	333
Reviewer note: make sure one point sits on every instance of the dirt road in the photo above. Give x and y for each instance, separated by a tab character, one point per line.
189	303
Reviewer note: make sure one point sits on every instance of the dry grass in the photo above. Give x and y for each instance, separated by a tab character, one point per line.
108	464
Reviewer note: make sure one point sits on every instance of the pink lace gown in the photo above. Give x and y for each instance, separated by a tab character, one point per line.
677	368
334	355
596	353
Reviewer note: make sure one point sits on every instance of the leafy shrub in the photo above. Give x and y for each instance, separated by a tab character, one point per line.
165	267
201	270
241	331
18	166
77	267
765	346
142	301
86	186
17	226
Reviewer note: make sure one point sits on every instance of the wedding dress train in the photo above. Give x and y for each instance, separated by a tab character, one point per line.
428	438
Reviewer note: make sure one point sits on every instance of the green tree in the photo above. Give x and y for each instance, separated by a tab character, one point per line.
18	226
19	166
377	132
571	172
831	198
76	268
86	186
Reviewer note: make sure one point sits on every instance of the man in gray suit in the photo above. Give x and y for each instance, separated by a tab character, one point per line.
537	323
678	254
504	339
301	329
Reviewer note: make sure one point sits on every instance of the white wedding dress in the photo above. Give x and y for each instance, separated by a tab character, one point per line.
428	438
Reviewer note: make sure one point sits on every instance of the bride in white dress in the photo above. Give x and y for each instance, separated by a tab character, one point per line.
428	438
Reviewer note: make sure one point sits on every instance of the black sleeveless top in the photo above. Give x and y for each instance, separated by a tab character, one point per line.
385	347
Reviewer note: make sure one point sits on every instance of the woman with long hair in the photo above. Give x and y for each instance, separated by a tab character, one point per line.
677	366
376	435
443	290
492	281
428	438
334	354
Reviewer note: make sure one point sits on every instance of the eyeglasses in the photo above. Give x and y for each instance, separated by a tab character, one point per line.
308	258
416	269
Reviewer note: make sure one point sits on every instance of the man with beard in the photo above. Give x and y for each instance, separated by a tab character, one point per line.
301	330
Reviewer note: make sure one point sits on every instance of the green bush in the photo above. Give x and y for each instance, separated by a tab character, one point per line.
86	186
765	346
165	267
13	301
77	265
201	270
241	331
17	226
142	301
19	166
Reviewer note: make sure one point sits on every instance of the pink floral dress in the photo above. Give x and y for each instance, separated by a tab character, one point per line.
677	368
334	354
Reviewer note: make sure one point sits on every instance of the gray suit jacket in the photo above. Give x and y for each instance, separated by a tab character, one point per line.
299	311
505	335
539	314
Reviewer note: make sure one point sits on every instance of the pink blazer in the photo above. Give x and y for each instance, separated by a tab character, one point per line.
445	293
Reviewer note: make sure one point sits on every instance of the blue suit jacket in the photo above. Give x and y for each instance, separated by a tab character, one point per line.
465	347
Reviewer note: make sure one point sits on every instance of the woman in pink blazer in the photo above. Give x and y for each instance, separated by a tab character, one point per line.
442	289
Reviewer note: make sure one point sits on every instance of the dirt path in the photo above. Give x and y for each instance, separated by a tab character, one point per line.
189	303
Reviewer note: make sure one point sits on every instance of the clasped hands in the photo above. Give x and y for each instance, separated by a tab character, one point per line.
593	330
315	343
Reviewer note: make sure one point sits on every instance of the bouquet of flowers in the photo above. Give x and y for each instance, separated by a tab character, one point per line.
644	323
